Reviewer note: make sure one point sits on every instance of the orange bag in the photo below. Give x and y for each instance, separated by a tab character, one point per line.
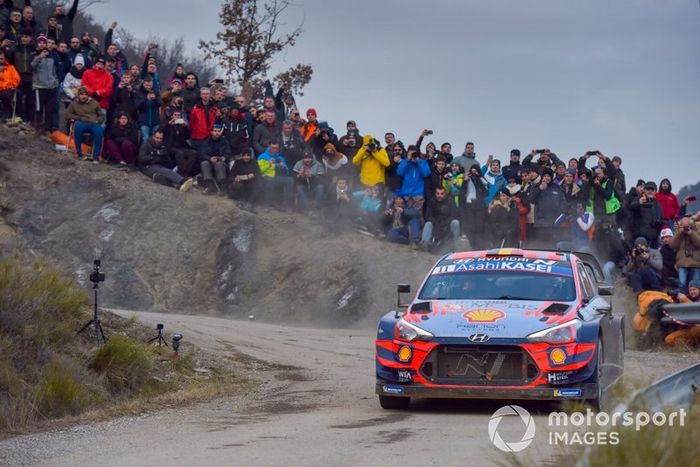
58	137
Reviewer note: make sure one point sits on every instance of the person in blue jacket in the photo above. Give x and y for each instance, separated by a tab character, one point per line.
413	171
494	177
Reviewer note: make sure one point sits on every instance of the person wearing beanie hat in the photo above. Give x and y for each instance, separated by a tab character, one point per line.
73	79
644	267
645	215
513	169
45	86
550	203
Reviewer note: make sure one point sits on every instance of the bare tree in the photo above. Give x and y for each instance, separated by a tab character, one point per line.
251	39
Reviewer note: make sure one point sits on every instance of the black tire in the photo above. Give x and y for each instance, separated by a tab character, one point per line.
394	403
596	402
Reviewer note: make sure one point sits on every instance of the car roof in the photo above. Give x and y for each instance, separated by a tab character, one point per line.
551	255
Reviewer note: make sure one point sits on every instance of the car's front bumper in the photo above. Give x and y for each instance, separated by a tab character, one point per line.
581	391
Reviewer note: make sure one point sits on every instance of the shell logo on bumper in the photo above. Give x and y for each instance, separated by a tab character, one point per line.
483	315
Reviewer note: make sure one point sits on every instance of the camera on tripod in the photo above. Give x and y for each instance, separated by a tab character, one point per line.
96	276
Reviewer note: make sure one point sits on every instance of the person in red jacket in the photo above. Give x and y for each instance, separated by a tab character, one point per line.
202	118
99	83
670	207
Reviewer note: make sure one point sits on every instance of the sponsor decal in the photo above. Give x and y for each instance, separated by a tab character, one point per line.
568	393
558	356
559	377
404	354
504	263
392	389
483	315
405	376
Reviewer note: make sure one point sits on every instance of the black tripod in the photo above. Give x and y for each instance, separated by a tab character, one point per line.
159	338
99	333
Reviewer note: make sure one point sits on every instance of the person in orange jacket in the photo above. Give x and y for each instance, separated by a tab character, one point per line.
9	82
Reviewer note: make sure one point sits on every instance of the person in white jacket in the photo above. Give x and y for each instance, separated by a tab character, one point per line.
73	80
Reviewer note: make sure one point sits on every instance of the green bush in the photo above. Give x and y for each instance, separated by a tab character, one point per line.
60	393
39	303
124	362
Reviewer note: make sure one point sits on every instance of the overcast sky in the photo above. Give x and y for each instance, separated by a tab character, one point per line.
621	76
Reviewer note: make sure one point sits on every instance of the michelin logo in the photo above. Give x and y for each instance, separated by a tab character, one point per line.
567	393
392	389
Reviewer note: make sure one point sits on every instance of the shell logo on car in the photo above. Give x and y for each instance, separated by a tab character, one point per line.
483	315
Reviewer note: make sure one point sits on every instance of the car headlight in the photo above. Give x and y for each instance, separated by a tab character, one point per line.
409	333
560	334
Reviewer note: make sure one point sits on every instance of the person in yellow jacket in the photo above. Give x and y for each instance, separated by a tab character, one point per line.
9	82
373	161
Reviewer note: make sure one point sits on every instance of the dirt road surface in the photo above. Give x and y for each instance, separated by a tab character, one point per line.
314	405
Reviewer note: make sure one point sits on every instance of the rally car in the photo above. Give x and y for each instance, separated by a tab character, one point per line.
502	324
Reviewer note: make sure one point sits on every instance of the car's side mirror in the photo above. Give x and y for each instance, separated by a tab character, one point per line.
606	290
401	289
604	308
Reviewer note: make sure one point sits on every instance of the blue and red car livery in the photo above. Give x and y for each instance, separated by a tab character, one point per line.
502	324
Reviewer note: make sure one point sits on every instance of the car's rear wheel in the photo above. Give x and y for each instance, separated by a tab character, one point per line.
597	401
394	403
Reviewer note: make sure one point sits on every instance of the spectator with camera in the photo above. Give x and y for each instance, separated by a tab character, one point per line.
148	104
546	160
308	179
214	157
372	160
402	223
245	180
643	267
396	153
176	135
599	191
156	163
277	182
473	206
686	244
339	203
414	171
646	214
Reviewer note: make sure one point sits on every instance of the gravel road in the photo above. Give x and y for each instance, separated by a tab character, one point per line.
314	405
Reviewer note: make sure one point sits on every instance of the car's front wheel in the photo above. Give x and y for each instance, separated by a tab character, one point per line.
394	403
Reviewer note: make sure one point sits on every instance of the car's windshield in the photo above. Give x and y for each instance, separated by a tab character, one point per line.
505	285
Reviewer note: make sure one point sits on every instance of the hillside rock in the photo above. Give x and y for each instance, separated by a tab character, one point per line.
163	250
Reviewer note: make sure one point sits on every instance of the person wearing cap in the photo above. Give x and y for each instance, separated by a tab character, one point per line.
311	125
65	19
87	117
214	157
45	86
669	274
513	169
155	162
646	214
99	83
9	82
178	74
686	244
549	203
114	48
643	267
23	56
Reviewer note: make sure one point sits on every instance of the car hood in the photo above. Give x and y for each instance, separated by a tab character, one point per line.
512	319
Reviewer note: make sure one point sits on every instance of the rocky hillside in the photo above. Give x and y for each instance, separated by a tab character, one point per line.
190	253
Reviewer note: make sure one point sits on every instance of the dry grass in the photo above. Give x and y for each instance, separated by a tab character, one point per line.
50	377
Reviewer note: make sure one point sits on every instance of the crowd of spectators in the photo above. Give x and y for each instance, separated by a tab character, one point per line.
181	132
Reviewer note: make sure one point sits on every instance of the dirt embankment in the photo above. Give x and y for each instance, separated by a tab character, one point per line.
167	251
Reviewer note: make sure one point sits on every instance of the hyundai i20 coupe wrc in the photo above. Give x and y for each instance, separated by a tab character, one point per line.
502	324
